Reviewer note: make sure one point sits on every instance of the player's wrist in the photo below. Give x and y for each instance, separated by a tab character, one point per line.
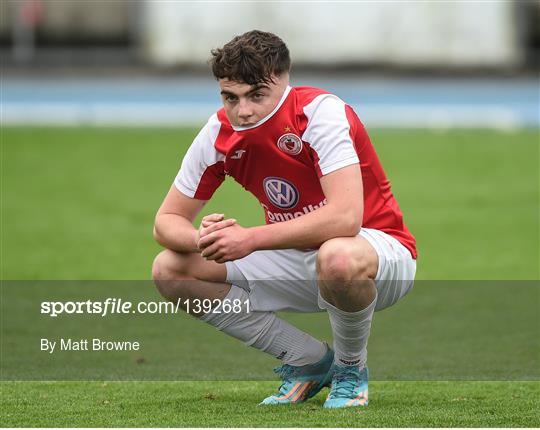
252	239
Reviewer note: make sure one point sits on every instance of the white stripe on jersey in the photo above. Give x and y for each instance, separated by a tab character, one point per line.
200	155
327	133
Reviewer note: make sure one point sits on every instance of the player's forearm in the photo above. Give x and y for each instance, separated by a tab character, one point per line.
176	233
307	231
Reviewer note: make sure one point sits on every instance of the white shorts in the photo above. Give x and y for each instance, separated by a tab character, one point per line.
286	279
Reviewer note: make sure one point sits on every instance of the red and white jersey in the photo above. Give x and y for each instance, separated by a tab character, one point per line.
280	159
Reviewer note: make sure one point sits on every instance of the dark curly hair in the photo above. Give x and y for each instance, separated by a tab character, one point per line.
251	58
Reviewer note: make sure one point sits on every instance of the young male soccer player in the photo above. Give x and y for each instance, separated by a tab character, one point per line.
334	237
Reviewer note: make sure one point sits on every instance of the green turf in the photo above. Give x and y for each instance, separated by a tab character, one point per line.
79	204
224	404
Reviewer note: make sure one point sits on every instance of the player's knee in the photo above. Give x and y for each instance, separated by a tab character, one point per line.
169	265
167	268
335	262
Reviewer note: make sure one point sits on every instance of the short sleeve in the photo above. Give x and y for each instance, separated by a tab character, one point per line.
202	170
328	134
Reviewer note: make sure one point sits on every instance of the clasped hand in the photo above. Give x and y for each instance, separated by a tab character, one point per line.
222	239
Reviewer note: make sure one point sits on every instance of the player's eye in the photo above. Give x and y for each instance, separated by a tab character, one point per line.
230	98
257	96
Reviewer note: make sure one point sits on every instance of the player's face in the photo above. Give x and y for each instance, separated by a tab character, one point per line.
247	104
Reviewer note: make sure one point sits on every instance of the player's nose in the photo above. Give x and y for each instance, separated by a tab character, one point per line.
245	111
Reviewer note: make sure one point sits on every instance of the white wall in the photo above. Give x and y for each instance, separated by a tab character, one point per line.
397	33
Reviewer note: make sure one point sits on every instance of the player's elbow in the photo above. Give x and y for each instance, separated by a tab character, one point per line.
351	223
353	226
155	234
158	237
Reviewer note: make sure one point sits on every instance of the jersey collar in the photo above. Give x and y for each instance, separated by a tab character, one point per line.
267	117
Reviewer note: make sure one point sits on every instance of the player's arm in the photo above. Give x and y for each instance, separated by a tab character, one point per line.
173	228
340	217
328	132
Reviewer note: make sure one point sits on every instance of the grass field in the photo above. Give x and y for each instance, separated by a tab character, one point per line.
224	404
79	204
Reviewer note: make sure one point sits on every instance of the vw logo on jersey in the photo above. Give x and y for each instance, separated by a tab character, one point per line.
280	192
290	143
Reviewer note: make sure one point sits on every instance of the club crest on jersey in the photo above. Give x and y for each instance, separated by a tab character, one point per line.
280	192
290	143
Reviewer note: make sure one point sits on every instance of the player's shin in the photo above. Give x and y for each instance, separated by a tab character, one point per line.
265	331
350	332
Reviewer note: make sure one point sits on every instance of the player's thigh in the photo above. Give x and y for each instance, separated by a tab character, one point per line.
171	265
396	268
277	280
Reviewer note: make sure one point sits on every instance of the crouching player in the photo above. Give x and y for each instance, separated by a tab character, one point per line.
334	238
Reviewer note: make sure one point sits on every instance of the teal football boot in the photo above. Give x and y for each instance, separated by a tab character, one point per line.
349	387
300	383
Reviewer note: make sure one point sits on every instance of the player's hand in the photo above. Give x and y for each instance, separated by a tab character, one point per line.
213	222
226	244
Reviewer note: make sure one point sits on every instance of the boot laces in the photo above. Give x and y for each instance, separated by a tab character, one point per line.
345	382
